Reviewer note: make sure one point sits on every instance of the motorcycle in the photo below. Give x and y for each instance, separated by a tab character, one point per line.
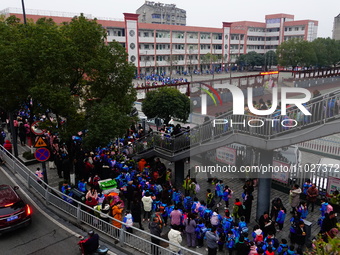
101	250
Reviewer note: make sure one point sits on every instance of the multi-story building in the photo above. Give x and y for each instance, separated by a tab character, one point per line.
159	13
336	28
160	48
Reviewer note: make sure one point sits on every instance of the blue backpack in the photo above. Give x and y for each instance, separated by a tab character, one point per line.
187	203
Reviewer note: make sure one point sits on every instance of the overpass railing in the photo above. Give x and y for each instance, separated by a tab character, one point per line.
324	108
139	240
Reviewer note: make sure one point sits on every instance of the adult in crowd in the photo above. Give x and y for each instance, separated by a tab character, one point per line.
294	197
312	194
156	230
175	237
212	239
190	226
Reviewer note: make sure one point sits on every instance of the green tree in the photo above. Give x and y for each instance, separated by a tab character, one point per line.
68	70
327	52
270	59
296	52
166	103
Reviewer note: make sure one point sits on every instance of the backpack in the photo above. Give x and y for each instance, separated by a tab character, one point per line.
283	250
214	220
259	238
227	225
329	208
197	188
129	223
206	215
187	203
201	231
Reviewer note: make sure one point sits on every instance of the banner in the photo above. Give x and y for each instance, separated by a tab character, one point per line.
333	185
280	176
226	155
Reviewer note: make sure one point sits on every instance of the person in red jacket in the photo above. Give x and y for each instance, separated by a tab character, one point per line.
8	146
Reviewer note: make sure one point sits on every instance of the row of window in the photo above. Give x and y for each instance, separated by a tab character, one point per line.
299	28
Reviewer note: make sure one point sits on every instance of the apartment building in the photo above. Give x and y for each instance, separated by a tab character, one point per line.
162	48
159	13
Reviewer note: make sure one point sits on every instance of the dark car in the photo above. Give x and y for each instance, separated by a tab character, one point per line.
14	212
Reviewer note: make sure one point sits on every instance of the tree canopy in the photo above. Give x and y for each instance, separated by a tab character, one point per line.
166	103
322	52
68	70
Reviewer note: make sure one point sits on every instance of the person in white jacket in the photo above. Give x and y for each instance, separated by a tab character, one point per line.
147	205
294	197
175	237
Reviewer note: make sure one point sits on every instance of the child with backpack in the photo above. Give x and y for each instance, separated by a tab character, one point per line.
283	247
303	209
242	225
227	193
200	231
237	210
215	218
128	220
219	189
230	242
227	222
210	199
281	216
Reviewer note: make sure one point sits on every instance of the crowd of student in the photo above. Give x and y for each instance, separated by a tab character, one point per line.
148	199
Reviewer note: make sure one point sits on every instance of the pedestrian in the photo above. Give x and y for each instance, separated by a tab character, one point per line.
237	210
187	185
8	146
241	247
156	230
212	239
210	199
227	193
147	205
281	217
219	190
176	217
248	203
312	194
117	215
40	175
128	220
175	237
200	231
300	234
190	226
294	197
136	211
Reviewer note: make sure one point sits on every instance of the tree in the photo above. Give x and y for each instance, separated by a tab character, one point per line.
68	70
270	59
296	52
252	59
166	103
327	52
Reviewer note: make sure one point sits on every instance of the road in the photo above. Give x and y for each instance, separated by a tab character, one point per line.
43	236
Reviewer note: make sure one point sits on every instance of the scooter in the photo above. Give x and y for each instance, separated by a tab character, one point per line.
102	249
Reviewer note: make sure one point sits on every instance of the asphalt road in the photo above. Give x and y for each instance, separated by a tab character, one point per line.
44	235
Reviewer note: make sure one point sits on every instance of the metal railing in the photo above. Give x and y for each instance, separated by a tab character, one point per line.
326	145
139	240
324	108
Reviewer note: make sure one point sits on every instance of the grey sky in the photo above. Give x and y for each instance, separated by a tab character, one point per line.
209	13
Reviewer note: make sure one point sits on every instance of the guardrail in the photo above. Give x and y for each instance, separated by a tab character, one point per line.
324	108
139	240
326	145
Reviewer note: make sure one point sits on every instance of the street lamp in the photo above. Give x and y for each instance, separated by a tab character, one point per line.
23	11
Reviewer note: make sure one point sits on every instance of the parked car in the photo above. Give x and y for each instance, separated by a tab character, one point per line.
14	212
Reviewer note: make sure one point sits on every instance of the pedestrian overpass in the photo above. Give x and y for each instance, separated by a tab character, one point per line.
266	133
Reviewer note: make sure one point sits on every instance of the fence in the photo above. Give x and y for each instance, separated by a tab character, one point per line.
326	145
138	240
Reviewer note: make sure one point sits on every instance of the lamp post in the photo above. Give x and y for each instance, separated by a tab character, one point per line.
23	11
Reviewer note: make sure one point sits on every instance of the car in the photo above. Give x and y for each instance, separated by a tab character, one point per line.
14	212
